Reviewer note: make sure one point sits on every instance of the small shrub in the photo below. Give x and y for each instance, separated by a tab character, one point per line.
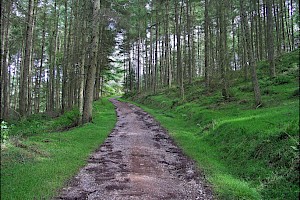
67	120
282	79
296	92
265	82
269	91
263	65
4	132
246	88
38	117
175	102
263	68
243	101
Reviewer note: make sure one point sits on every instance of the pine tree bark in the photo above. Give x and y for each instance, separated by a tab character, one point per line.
151	66
260	30
130	71
138	84
65	63
223	49
84	42
179	61
53	51
292	26
167	47
88	97
4	90
147	67
39	73
58	69
1	55
100	61
287	27
189	46
155	74
206	45
281	2
277	28
252	62
270	38
24	90
70	72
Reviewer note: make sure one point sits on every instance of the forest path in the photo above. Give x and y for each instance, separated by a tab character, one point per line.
139	161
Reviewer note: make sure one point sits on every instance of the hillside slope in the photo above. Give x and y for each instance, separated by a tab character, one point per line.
247	152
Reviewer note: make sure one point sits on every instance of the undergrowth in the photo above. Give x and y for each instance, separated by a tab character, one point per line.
43	123
247	153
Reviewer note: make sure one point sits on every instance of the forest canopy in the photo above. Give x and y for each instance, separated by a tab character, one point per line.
61	54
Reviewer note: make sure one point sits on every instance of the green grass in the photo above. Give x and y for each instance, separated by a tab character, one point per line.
37	166
246	153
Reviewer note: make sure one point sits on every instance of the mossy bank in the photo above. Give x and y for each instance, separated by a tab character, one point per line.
246	152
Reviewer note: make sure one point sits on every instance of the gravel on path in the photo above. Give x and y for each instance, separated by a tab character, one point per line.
138	161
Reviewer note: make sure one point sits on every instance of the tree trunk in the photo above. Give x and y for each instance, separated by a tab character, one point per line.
179	62
58	69
39	74
65	63
270	38
252	62
292	26
88	96
4	90
146	69
24	90
156	51
138	84
82	69
167	47
223	49
277	28
281	2
151	66
189	45
206	45
69	63
260	30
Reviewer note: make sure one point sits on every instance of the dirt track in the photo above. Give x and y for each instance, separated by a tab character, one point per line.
137	161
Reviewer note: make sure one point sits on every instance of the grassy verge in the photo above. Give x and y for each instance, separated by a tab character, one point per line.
247	153
35	167
44	123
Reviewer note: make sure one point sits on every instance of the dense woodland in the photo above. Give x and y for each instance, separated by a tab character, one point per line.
60	54
221	76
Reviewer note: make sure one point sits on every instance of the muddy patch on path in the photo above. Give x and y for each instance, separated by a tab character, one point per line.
138	161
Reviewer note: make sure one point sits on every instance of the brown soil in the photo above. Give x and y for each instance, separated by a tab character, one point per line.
138	161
